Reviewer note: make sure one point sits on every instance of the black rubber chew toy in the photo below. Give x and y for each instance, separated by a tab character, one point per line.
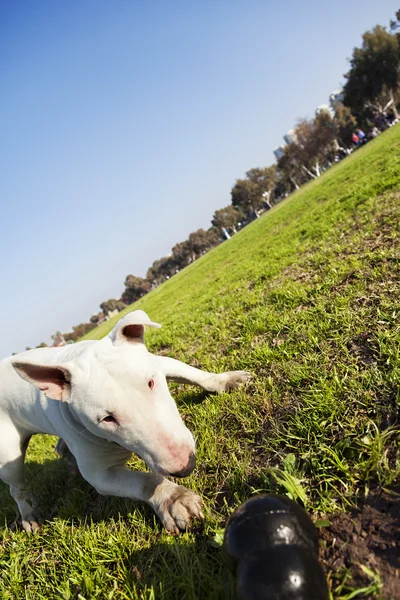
272	545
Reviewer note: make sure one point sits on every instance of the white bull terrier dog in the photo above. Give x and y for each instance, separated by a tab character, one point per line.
105	399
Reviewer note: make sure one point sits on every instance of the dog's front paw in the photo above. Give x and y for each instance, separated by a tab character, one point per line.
231	380
30	522
178	508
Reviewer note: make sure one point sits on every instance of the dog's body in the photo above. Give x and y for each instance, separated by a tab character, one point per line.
105	399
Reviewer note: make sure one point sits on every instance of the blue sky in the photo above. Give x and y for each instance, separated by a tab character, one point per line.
124	125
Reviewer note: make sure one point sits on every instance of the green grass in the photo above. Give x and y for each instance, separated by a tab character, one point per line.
307	299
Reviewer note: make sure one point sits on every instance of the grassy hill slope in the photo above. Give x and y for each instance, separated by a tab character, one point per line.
307	299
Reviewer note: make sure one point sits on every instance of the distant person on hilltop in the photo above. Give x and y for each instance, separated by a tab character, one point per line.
361	137
380	121
374	132
391	117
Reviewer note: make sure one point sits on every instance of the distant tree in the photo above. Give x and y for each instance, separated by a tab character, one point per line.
78	331
324	131
395	23
96	318
152	272
283	186
42	345
203	240
162	269
214	236
248	195
227	217
291	174
374	70
111	305
135	288
312	139
183	254
71	336
311	150
345	124
58	338
265	179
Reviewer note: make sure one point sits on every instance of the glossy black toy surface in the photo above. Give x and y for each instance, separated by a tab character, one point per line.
284	573
272	545
265	522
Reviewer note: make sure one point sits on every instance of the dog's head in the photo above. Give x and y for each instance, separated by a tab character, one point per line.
118	391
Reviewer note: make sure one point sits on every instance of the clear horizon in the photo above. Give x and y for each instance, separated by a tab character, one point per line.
125	125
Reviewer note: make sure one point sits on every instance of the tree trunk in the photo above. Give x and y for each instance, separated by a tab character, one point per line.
308	172
294	183
394	107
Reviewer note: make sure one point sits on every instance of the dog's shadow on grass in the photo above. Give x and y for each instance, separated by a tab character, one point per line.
61	494
196	571
179	568
185	394
51	483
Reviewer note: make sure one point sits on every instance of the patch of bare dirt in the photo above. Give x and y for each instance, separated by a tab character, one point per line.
297	273
370	537
360	347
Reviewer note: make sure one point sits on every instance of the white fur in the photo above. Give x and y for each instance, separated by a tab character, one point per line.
69	391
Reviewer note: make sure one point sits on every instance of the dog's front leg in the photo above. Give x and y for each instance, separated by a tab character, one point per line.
174	504
175	370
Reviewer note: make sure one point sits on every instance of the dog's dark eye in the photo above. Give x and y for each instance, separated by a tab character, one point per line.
151	384
109	419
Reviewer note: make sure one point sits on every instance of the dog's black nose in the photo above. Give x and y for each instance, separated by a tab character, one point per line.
188	469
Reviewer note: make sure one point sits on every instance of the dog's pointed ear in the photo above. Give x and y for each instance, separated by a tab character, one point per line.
53	380
131	328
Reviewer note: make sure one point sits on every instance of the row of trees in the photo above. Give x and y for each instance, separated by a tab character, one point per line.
372	86
315	145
